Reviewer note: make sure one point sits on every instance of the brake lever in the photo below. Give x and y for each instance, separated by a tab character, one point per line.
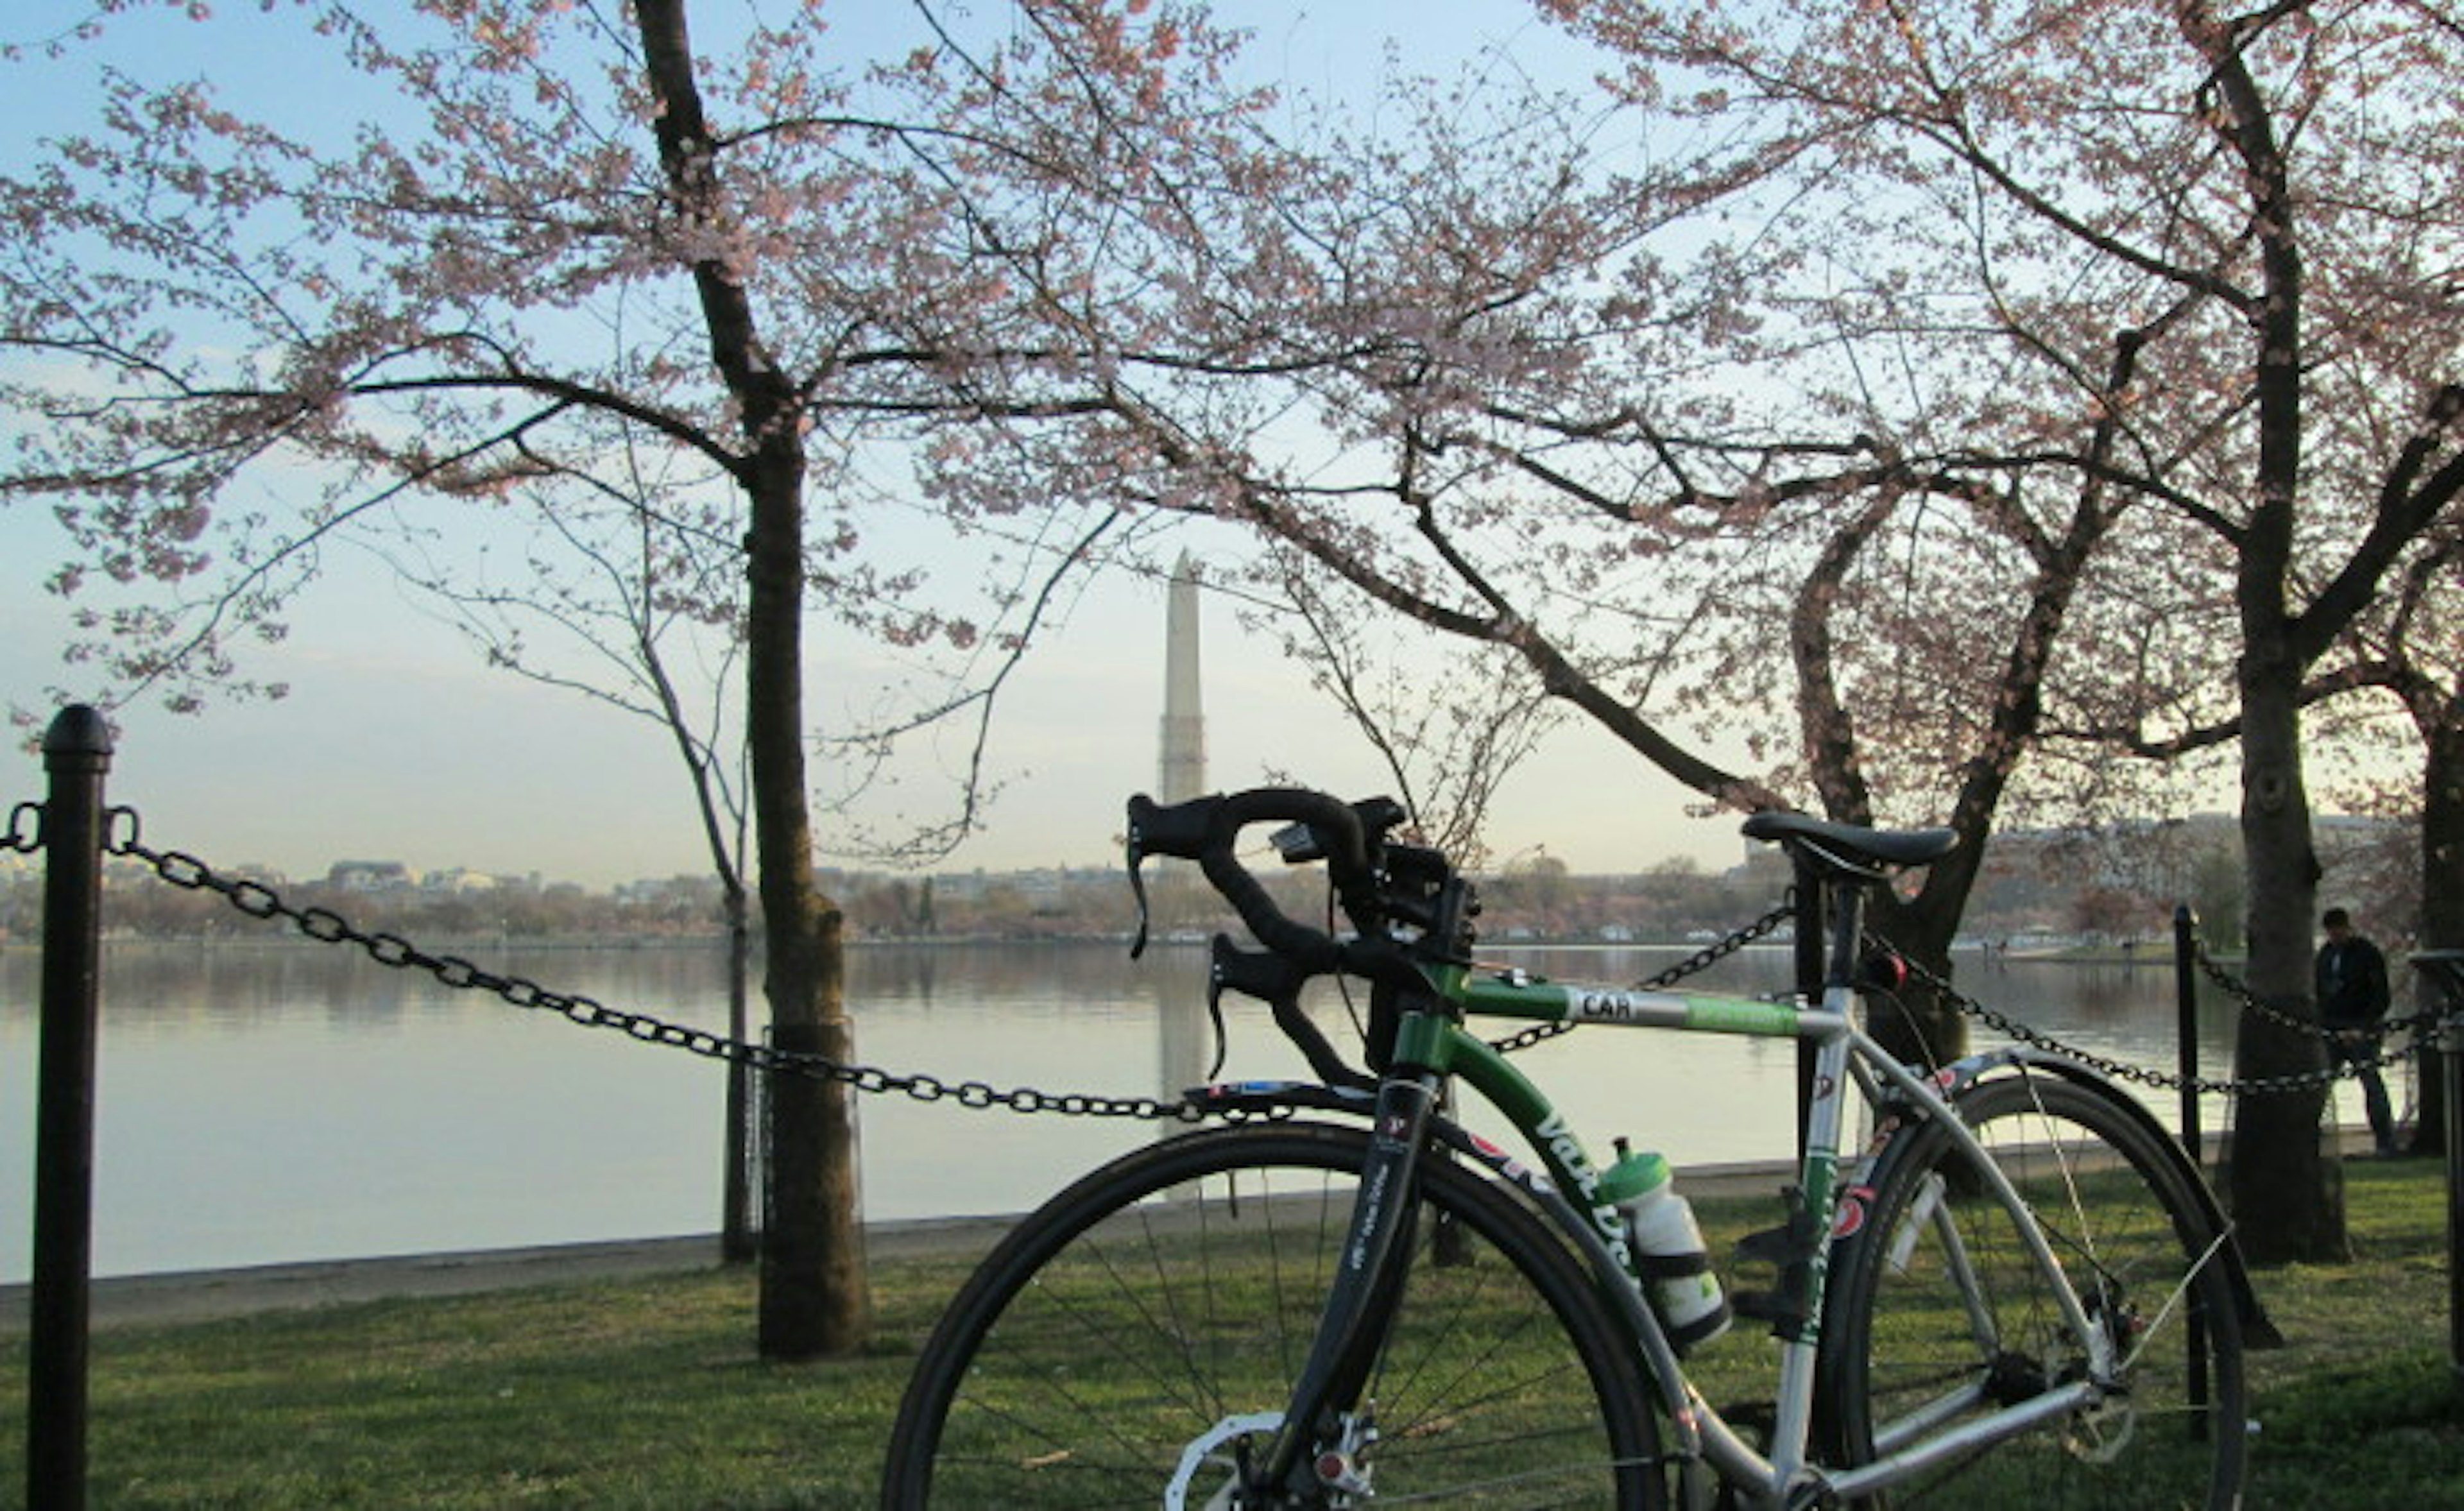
1276	982
1268	977
1137	860
1215	985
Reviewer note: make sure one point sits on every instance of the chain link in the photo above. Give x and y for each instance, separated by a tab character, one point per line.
2174	1080
25	833
1703	959
327	927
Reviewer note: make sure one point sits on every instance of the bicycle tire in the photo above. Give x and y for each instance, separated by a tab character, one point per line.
1107	1342
2127	1227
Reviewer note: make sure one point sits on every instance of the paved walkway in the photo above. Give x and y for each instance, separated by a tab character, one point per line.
203	1295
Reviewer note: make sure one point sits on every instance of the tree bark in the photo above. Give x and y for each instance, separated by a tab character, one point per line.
738	1238
813	1294
1923	1027
2287	1195
2288	1198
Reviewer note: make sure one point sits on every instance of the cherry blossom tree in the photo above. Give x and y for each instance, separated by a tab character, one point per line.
1785	412
2413	654
2253	217
1891	347
503	248
1544	410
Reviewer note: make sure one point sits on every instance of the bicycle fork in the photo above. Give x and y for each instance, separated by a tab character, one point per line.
1324	1432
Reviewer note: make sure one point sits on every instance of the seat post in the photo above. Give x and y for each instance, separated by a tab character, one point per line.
1829	940
1847	930
1810	892
1813	927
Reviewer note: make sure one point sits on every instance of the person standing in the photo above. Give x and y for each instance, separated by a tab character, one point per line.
2353	997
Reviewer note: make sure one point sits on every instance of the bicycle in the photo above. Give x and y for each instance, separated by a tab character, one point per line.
2018	1287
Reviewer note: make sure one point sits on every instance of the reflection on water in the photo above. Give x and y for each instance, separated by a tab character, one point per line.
279	1102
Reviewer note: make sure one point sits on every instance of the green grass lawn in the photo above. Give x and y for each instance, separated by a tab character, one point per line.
646	1394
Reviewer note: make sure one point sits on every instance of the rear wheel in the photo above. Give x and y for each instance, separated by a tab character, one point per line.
1938	1313
1134	1343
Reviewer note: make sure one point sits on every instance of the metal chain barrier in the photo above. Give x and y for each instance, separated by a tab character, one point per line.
181	869
2253	1003
321	924
2173	1081
2421	1025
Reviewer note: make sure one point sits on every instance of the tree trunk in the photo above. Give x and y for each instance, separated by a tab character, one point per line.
813	1294
2442	899
2288	1201
1920	1026
813	1297
2288	1197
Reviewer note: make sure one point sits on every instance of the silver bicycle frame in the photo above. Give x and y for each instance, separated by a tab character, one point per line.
1842	1053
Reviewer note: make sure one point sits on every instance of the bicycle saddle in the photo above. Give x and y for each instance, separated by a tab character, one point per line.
1853	846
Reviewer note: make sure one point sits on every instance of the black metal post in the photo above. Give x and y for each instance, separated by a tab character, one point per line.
2451	1055
739	1243
76	751
2186	1028
2186	990
2445	969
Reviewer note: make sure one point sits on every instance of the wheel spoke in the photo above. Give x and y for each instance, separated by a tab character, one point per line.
1131	1342
1945	1316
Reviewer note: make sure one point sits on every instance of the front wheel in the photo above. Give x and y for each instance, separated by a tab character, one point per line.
1133	1344
1939	1315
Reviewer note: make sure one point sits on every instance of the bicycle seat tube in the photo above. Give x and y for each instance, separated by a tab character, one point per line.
1829	940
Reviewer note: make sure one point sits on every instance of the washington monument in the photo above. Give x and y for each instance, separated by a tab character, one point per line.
1182	775
1183	1049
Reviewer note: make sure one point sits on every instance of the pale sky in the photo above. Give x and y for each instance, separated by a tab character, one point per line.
395	744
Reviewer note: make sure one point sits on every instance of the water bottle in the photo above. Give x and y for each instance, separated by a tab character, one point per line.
1668	1250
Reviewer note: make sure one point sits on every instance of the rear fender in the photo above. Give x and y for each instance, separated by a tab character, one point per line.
1959	1080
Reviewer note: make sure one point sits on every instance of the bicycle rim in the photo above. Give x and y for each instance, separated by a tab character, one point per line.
1133	1343
1943	1314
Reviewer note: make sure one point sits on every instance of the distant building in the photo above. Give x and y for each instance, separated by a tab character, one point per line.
370	876
1040	884
698	890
